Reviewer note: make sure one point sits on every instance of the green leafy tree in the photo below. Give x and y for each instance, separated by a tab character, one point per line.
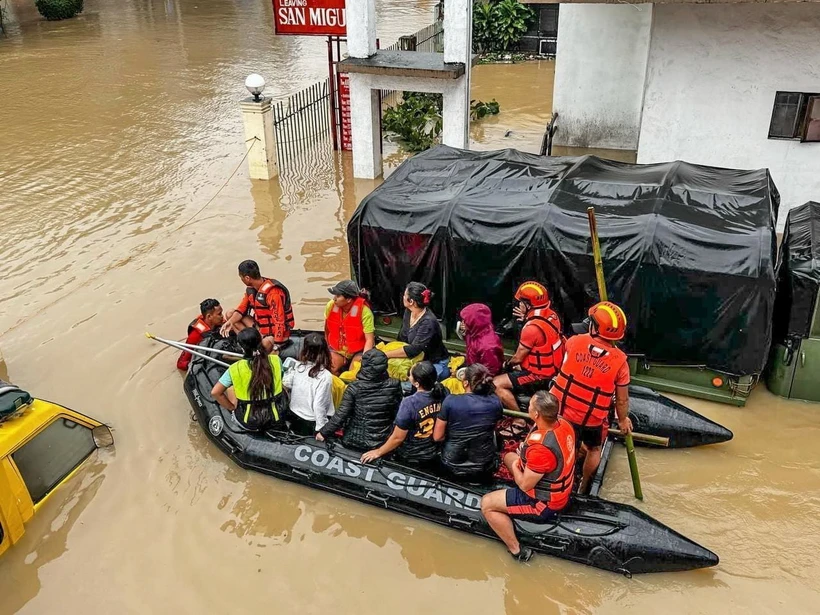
54	10
416	121
483	27
479	109
499	24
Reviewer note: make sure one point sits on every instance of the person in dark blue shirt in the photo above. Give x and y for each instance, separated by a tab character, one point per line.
466	425
413	431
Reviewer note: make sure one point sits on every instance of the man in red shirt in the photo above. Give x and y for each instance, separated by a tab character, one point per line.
265	305
543	470
540	347
210	319
593	376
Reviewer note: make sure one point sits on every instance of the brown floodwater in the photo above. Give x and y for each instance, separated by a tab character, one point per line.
117	128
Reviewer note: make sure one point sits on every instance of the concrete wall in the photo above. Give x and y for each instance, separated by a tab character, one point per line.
599	74
712	75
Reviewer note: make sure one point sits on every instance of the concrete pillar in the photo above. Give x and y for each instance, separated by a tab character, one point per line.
365	128
361	28
458	36
257	118
600	72
457	25
456	123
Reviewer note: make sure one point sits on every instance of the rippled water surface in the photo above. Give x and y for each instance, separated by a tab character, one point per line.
117	128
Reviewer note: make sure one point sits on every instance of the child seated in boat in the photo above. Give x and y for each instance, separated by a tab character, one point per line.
210	319
466	426
368	407
413	429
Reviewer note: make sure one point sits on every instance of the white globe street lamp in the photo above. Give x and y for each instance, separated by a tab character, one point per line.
255	84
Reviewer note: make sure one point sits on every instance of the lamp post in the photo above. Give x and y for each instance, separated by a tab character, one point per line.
255	84
257	117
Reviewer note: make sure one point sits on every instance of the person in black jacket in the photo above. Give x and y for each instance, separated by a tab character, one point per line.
421	331
368	406
413	433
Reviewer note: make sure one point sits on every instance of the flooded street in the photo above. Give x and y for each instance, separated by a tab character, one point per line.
118	128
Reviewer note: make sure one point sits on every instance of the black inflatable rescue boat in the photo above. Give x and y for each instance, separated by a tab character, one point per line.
654	414
657	415
596	532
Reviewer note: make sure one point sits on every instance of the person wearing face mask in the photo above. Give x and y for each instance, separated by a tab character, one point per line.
420	331
482	343
594	374
540	347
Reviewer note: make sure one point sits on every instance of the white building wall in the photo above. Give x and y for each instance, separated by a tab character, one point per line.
599	74
712	75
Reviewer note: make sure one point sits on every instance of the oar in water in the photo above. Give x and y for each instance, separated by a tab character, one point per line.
599	274
226	353
179	346
637	437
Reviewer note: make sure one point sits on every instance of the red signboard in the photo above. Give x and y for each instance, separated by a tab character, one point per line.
310	17
344	98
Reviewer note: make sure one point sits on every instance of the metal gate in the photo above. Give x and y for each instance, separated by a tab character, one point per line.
301	122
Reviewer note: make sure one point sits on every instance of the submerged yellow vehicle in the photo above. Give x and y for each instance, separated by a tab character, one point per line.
42	444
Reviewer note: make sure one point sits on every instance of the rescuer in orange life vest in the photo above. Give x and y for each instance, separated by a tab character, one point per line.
545	461
266	306
540	346
594	373
210	319
350	329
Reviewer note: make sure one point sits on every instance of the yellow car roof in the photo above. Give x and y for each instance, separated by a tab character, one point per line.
16	431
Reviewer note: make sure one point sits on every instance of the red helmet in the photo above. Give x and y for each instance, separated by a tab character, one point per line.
533	293
609	319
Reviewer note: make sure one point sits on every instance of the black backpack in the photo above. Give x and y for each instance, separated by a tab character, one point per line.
13	400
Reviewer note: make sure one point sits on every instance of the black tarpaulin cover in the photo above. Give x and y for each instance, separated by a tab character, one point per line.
798	273
688	250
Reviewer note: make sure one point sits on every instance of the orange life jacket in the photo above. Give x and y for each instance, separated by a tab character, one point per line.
346	331
545	360
200	325
585	384
556	485
272	311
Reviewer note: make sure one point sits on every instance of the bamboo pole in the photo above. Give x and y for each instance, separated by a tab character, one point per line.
599	274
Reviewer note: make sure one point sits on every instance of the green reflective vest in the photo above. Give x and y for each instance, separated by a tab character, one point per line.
241	379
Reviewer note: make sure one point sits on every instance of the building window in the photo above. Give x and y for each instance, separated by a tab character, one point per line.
548	20
811	132
45	460
796	115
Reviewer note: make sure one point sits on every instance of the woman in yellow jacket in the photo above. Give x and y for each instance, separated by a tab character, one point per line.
257	402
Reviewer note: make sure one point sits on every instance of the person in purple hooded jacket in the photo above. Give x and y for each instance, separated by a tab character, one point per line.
483	344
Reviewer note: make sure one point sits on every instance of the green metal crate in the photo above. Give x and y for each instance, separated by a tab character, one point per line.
699	382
